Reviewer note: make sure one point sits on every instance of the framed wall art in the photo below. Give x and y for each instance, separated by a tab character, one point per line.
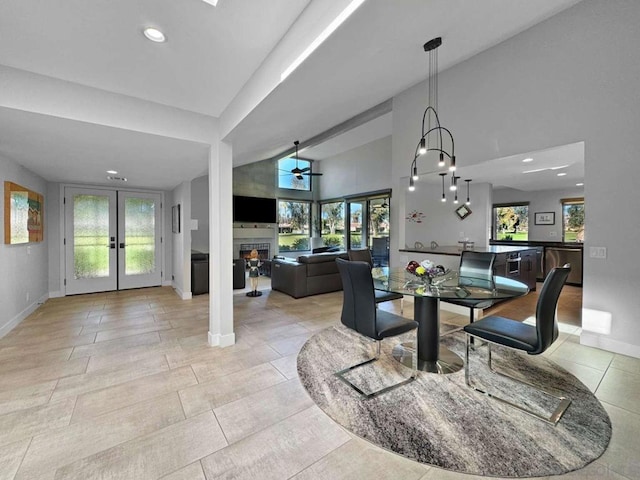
175	218
463	211
545	218
23	215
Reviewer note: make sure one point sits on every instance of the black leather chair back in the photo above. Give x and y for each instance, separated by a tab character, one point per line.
361	255
359	306
546	322
477	265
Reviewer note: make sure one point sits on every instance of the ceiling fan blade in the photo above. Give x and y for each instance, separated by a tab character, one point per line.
305	169
312	174
296	171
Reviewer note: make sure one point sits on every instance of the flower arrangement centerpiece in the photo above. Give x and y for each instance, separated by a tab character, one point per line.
425	270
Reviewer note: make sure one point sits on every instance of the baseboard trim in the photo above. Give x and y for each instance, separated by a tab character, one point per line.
57	294
218	340
181	294
603	343
167	283
15	321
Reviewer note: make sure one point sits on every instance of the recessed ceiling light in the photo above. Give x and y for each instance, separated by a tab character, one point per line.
527	160
562	174
154	35
112	172
211	2
580	184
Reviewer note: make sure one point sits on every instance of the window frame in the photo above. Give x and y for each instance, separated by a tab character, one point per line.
567	202
307	236
283	169
494	226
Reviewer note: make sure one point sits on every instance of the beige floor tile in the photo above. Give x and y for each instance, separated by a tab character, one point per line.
290	346
359	459
24	362
287	366
202	354
205	396
117	323
107	377
588	356
119	345
26	397
23	378
233	362
133	354
255	412
135	391
33	421
593	471
623	454
153	455
190	472
628	364
10	458
131	331
65	445
54	344
591	377
279	451
621	389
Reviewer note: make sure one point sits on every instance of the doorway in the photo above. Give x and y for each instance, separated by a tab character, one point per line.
369	222
112	240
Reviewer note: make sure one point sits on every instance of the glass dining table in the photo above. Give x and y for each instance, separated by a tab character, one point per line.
433	357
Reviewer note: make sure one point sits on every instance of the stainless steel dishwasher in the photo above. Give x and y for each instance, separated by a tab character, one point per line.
558	256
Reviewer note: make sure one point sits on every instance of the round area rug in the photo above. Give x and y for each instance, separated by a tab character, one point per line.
438	420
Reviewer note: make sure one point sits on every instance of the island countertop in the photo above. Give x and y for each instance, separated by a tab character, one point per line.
456	250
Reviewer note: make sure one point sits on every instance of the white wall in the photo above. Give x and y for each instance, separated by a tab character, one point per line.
571	78
362	169
440	222
541	201
26	266
181	242
200	212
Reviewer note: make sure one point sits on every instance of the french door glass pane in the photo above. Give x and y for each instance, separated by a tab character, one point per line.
139	236
90	236
355	224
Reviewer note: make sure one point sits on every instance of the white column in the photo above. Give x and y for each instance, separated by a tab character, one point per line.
220	246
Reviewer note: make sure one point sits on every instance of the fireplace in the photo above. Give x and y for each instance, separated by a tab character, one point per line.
262	248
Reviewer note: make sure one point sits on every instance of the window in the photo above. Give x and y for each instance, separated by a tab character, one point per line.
332	224
511	222
573	219
293	225
289	180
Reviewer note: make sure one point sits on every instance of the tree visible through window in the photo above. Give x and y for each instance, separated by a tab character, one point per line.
573	219
511	222
332	224
293	225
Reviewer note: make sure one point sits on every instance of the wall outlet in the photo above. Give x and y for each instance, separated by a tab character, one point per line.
597	252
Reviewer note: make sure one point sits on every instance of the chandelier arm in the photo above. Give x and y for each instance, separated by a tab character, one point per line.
435	114
453	148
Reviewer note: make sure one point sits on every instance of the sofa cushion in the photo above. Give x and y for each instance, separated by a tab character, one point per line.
323	257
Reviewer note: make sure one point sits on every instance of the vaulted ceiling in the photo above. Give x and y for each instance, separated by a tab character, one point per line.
208	63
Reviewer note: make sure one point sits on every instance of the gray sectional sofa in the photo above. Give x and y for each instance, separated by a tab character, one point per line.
308	275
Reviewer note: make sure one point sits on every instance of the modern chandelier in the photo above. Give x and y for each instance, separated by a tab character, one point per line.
433	133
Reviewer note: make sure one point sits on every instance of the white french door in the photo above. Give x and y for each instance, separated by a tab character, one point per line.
112	240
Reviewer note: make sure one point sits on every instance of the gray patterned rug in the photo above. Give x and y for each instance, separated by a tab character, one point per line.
438	420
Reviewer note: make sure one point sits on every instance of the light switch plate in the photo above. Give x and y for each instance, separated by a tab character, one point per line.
598	252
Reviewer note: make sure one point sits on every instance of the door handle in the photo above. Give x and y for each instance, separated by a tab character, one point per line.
122	245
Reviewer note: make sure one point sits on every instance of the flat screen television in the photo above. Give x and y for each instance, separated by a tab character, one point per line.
254	209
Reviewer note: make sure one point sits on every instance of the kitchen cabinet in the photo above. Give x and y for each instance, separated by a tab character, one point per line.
520	266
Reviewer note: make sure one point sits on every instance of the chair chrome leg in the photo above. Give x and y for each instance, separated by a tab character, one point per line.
402	306
367	396
552	419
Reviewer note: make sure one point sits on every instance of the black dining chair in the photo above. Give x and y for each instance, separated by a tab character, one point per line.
364	255
475	266
359	313
527	338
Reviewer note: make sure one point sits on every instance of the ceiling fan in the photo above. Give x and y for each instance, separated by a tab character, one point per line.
299	172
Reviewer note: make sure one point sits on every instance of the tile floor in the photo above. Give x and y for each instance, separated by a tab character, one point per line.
122	385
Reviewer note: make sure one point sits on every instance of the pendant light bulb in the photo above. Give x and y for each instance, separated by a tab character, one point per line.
441	162
423	146
452	167
415	172
444	198
468	180
412	187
